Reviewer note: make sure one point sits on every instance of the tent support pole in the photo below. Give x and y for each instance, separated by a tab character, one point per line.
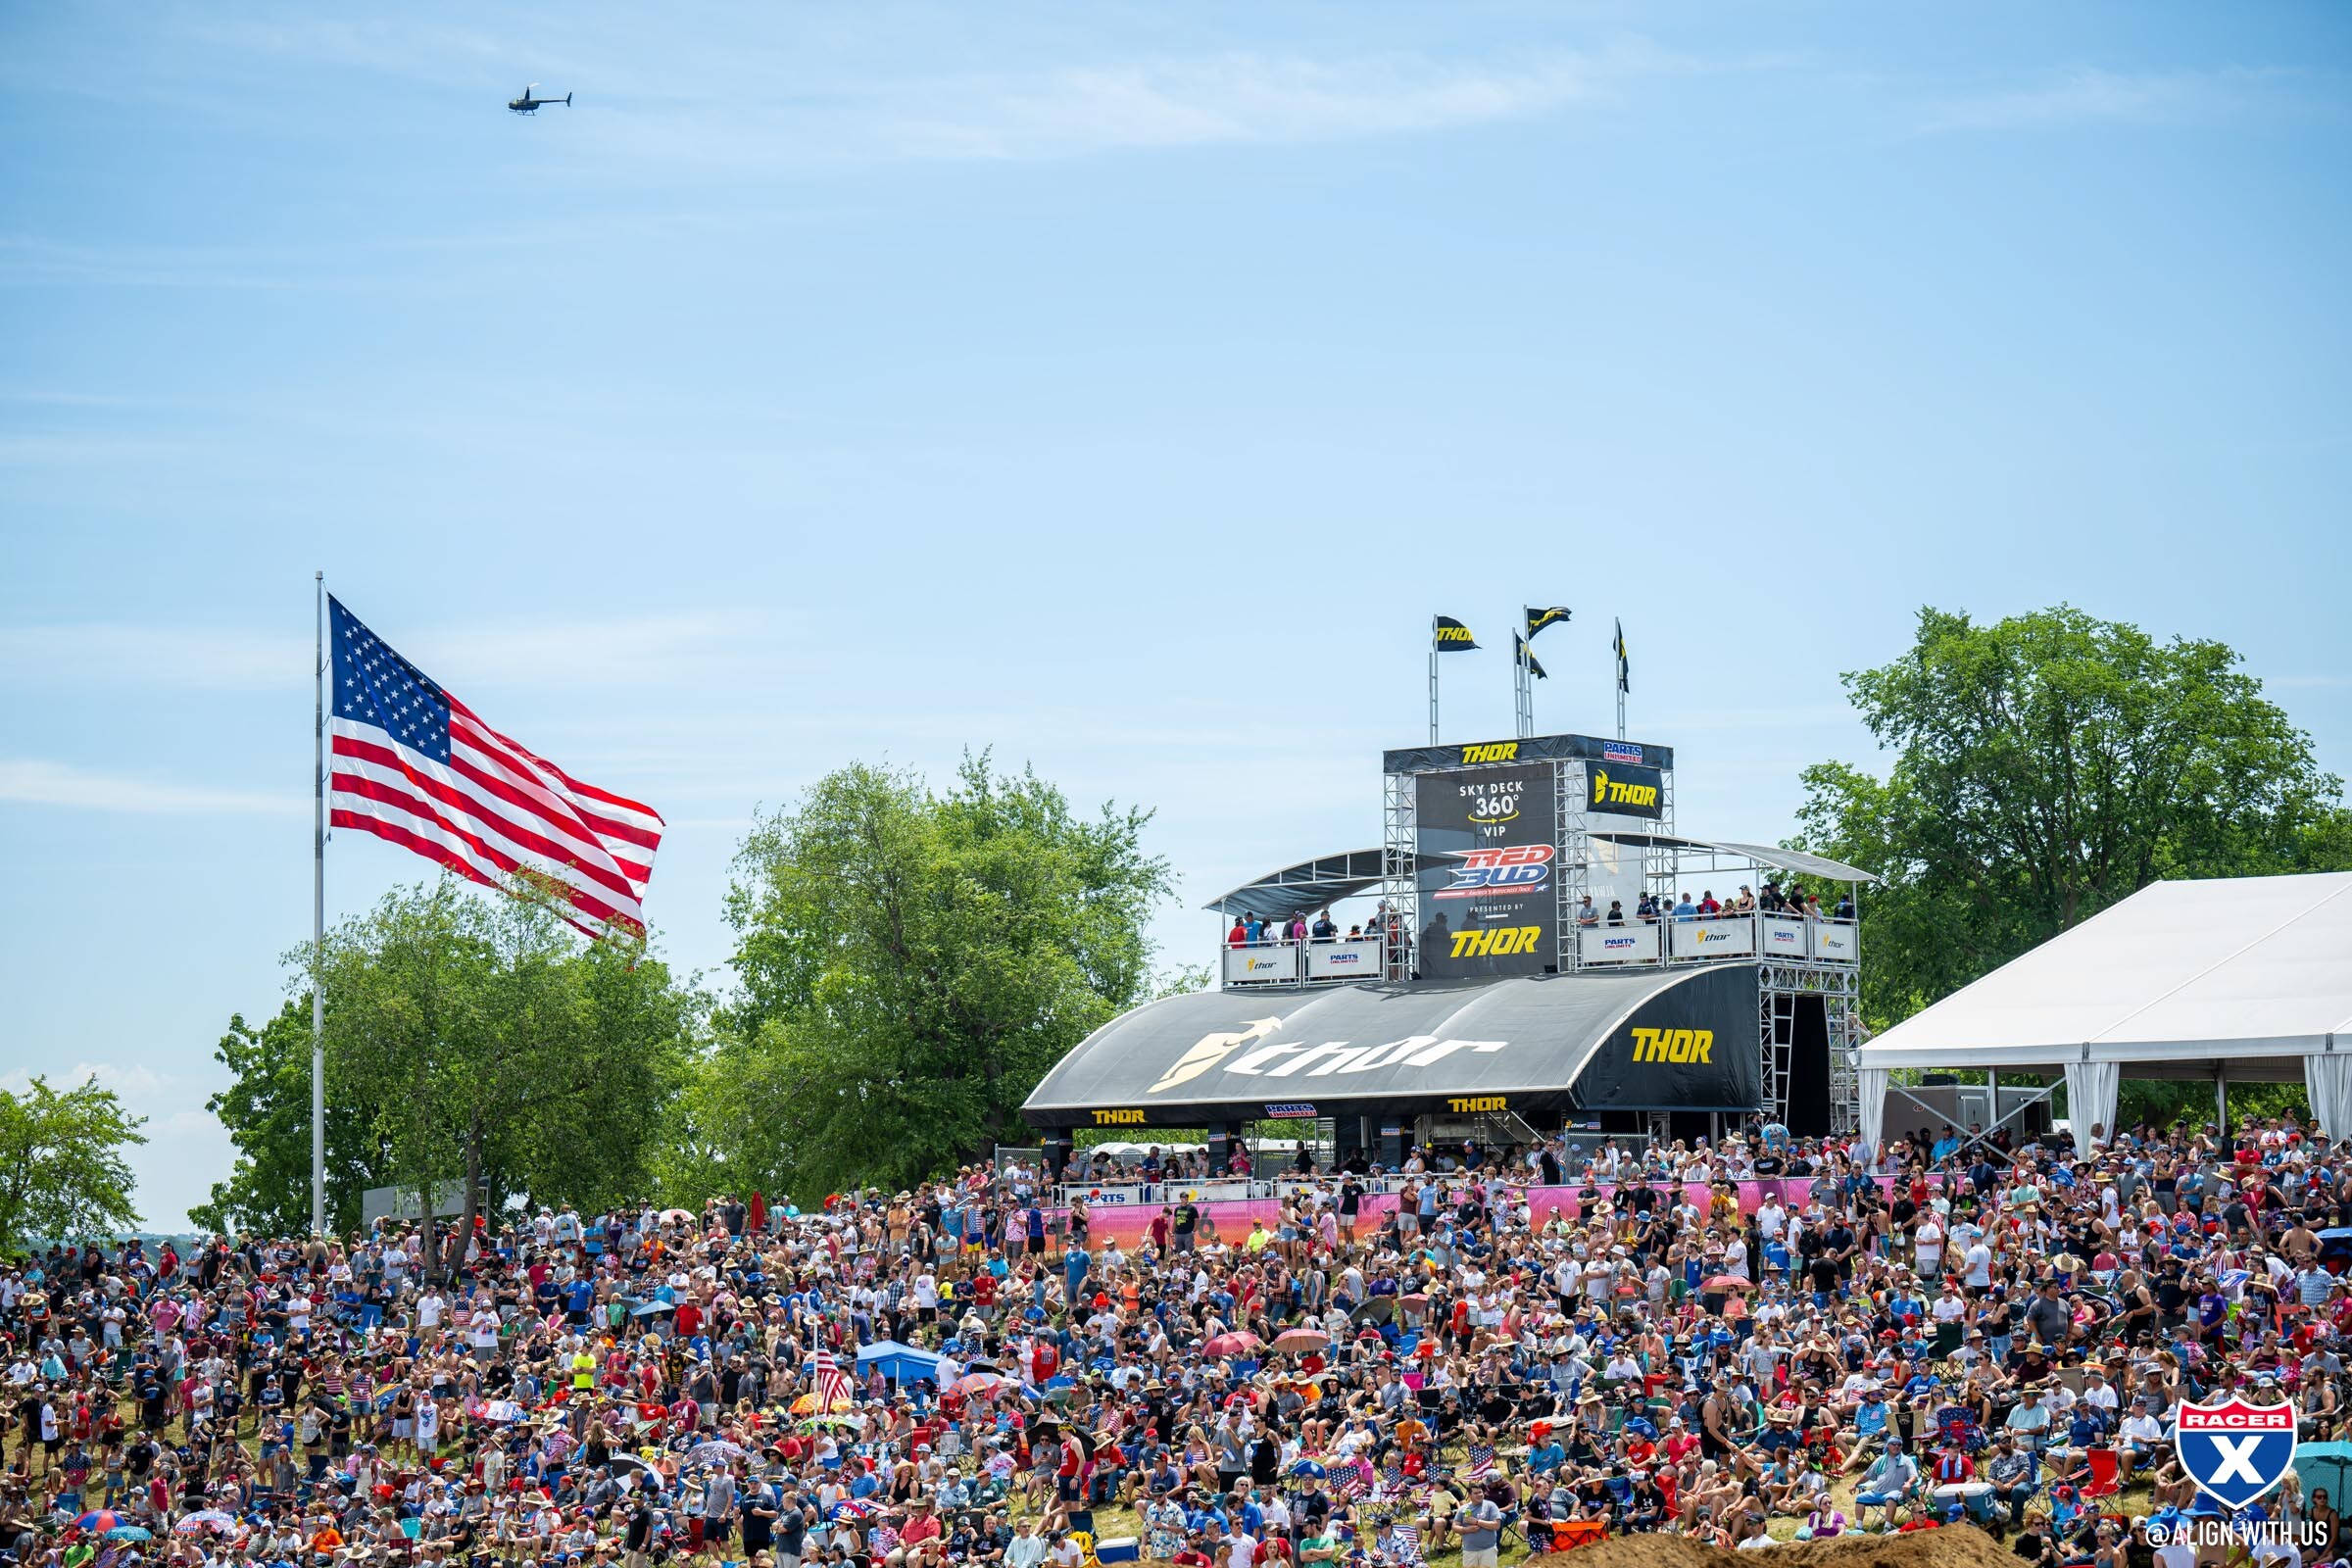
2034	1099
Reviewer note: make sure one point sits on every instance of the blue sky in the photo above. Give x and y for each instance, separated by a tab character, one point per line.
1119	388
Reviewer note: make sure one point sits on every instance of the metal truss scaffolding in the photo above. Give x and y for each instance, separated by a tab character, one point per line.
1779	984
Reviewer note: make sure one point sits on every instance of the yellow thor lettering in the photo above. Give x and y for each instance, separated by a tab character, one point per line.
1454	634
1606	791
1497	941
1673	1045
1118	1118
1491	752
1473	1103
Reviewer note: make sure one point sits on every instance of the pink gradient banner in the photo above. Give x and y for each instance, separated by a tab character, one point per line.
1130	1223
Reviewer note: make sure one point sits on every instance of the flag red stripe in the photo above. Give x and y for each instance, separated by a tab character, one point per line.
548	809
433	850
430	849
617	802
582	854
534	770
353	784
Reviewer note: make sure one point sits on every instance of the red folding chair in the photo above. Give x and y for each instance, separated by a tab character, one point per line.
2102	1482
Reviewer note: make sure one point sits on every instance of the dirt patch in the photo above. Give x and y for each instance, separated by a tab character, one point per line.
1951	1547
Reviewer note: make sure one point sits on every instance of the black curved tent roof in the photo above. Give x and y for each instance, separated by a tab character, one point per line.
1541	1044
1304	888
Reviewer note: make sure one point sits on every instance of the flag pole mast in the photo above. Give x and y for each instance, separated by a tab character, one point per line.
319	916
1433	680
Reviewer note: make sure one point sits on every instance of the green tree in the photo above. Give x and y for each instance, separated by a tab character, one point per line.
267	1110
911	964
494	1048
2046	766
63	1175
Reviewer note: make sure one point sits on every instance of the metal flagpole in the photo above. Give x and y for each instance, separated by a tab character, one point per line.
319	921
1523	686
1433	680
1619	673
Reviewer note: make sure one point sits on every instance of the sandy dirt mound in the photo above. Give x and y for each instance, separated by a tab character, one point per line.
1953	1546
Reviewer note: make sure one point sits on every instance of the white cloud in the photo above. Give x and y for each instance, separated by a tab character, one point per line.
2090	95
1237	98
99	654
34	782
572	655
132	1082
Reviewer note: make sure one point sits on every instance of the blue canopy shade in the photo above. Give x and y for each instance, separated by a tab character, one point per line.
899	1362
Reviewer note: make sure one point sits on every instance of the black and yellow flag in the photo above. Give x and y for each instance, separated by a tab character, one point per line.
1452	637
1537	619
1625	669
1527	656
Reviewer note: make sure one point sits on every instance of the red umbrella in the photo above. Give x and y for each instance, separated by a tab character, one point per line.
1727	1282
1297	1339
1240	1341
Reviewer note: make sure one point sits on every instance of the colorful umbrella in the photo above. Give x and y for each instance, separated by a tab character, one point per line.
977	1383
130	1533
680	1217
807	1404
1725	1282
205	1521
98	1521
715	1452
1292	1341
1240	1341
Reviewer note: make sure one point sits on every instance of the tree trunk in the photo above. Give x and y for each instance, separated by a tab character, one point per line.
471	1204
432	1249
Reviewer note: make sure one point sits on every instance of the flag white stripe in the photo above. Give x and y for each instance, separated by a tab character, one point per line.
589	800
592	850
482	818
630	860
438	831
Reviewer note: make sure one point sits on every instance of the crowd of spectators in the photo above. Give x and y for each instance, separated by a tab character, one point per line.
1738	1341
1651	908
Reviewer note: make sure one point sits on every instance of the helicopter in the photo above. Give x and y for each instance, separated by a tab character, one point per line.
529	102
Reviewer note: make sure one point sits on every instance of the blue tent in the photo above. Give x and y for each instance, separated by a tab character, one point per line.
899	1362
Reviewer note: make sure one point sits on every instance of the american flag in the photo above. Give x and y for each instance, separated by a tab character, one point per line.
410	763
1481	1461
833	1390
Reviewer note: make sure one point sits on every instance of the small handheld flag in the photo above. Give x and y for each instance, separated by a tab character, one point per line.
1537	619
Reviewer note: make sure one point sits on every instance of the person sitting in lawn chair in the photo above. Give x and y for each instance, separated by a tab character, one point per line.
1890	1482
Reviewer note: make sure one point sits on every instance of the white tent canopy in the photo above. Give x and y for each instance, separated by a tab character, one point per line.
2247	977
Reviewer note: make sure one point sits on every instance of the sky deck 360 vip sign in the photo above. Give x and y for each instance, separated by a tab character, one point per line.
1488	842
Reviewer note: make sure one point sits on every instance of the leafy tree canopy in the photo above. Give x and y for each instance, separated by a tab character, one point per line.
912	963
2046	766
486	1042
267	1110
63	1175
